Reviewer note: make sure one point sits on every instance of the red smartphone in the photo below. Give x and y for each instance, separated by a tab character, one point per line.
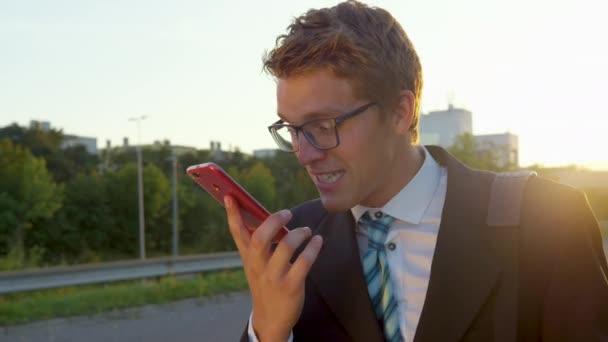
218	183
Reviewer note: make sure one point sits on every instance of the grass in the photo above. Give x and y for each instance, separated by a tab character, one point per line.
71	301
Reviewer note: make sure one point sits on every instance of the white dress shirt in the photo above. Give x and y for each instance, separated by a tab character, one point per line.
410	241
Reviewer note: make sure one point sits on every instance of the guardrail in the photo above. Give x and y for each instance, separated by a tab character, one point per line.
19	281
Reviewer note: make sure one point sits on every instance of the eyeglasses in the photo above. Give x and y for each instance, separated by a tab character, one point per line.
320	133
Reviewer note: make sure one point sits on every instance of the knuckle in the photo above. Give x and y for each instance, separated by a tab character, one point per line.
287	246
257	242
294	283
293	240
254	270
272	279
280	217
300	233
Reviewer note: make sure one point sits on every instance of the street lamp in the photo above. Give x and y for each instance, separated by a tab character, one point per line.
173	160
140	191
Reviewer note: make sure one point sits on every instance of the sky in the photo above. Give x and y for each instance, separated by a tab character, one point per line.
535	68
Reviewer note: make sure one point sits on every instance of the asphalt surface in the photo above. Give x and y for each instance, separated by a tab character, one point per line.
221	318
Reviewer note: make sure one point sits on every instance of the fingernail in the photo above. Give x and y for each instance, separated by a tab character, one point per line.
308	230
286	214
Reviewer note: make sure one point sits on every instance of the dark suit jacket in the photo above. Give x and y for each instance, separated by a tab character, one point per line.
544	280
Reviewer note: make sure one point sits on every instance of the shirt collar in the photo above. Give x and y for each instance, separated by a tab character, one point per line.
410	204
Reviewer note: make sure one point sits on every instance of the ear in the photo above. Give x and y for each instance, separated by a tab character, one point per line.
404	112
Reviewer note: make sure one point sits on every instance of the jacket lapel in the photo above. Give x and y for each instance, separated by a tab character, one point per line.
463	271
338	275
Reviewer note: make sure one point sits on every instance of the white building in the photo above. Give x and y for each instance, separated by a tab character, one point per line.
265	153
505	146
69	140
444	126
90	144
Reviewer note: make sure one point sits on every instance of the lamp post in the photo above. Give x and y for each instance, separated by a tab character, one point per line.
140	191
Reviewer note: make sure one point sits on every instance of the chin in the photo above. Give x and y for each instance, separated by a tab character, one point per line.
335	204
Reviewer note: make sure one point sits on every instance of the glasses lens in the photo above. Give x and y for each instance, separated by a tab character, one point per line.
284	137
321	133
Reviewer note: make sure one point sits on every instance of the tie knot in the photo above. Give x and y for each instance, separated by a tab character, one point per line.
376	229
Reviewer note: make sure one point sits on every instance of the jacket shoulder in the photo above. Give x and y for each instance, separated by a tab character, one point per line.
560	218
307	214
549	191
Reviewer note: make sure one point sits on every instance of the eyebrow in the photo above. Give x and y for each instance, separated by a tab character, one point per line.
316	115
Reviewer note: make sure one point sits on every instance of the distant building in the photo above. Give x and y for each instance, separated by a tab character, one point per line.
44	126
179	149
156	145
265	153
215	150
505	146
69	140
90	144
444	126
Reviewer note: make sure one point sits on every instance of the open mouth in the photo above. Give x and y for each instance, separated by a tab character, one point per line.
329	178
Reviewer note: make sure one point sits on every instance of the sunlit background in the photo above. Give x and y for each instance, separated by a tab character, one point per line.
74	231
536	69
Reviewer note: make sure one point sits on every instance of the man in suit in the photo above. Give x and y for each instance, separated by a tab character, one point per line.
403	243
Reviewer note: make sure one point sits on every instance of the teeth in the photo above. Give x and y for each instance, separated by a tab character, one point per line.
330	177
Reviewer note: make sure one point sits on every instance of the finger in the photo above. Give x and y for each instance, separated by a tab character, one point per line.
298	272
262	236
238	230
259	244
279	261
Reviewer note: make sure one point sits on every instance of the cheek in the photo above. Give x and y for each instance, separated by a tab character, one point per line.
366	140
360	151
352	147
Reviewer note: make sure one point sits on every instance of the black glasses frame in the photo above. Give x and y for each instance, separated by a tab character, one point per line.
299	128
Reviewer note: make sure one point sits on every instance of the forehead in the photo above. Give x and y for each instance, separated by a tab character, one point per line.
313	95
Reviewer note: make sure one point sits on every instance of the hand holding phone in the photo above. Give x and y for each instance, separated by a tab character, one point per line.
219	184
276	282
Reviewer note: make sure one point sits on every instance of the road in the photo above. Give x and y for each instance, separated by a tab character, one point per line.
218	319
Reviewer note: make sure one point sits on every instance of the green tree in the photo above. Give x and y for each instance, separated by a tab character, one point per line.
79	231
204	228
466	151
27	193
259	182
122	200
63	163
292	183
157	197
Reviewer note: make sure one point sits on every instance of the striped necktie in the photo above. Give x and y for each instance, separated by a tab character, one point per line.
375	268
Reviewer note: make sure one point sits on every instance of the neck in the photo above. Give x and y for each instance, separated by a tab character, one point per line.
401	172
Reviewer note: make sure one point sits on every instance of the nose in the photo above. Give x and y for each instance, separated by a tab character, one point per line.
307	153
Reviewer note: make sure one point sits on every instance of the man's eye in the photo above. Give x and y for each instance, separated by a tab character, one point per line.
322	127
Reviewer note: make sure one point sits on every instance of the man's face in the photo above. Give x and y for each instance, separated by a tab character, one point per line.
359	170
